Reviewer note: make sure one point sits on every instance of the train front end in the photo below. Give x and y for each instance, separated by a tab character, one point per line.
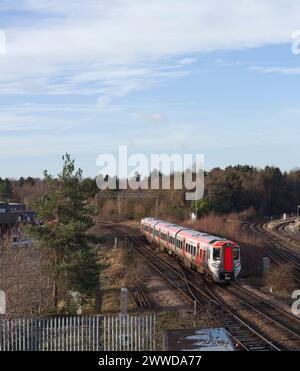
226	263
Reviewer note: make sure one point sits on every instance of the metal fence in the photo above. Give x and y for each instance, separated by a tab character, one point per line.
129	333
78	333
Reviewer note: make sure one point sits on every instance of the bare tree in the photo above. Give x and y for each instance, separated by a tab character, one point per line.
22	278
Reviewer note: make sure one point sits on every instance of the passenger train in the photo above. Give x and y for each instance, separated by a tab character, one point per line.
214	257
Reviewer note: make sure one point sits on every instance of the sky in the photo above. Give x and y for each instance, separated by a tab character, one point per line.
216	77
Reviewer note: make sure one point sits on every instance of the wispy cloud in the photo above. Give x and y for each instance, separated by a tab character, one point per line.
114	47
151	117
278	70
14	122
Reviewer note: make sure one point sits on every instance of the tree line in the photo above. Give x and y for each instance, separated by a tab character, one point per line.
267	191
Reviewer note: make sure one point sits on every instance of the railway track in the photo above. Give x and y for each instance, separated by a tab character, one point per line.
140	298
282	328
248	336
276	248
281	233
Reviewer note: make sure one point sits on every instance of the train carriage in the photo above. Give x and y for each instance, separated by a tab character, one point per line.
212	256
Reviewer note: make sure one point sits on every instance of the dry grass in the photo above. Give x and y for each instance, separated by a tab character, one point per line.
281	280
114	276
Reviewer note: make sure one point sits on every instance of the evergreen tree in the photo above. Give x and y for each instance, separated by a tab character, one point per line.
6	191
64	233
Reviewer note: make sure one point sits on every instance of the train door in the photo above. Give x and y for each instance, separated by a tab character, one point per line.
183	247
197	254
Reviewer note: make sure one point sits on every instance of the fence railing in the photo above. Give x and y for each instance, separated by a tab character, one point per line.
129	333
79	333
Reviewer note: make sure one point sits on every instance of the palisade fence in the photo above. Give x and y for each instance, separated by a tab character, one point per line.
129	333
79	333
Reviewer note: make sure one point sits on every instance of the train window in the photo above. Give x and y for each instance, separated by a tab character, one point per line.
216	254
235	253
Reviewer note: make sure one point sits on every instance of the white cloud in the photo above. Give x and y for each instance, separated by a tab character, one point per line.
186	61
114	47
152	117
279	70
14	122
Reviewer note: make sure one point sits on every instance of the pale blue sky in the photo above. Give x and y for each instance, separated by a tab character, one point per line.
176	76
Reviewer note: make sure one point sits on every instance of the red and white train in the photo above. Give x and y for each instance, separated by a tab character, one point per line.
215	257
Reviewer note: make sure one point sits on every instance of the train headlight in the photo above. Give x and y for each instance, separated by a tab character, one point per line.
237	265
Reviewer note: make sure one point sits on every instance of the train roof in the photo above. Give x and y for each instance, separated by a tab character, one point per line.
201	237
